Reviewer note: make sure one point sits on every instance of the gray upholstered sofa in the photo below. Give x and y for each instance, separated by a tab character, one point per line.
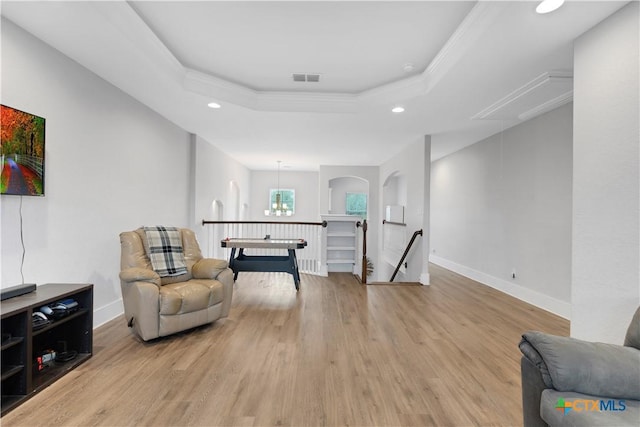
157	305
570	382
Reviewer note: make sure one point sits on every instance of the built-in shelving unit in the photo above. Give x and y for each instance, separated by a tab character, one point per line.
22	344
341	242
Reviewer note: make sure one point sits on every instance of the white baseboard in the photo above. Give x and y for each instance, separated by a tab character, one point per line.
324	272
107	312
425	279
545	302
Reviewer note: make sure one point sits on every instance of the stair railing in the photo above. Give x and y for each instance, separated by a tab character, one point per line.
406	252
309	259
364	227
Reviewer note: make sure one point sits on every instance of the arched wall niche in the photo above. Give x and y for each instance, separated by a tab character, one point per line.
244	212
394	195
217	210
234	200
338	189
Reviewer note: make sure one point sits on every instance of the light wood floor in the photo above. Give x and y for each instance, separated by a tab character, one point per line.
337	353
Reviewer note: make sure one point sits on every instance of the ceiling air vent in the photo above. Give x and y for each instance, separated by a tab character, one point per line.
300	77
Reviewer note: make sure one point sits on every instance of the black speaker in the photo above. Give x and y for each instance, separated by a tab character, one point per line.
15	291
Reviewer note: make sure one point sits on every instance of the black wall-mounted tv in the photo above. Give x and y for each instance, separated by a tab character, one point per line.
22	138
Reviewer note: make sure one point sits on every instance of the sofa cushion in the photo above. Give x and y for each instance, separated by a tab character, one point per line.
190	296
216	289
600	369
632	339
558	408
165	250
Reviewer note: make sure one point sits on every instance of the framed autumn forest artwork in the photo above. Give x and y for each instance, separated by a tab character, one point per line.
22	137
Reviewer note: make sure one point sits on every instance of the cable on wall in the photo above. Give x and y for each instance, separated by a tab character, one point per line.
22	242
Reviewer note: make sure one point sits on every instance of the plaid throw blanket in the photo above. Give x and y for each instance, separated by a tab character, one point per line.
165	251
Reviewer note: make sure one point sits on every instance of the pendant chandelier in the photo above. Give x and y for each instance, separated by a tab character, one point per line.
278	208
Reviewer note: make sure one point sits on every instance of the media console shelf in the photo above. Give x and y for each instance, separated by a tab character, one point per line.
22	375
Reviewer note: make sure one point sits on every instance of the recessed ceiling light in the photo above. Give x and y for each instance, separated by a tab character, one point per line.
547	6
213	105
397	109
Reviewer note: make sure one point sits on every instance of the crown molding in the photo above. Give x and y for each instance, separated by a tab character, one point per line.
224	90
307	102
525	97
477	21
218	89
127	22
140	45
125	19
397	91
552	104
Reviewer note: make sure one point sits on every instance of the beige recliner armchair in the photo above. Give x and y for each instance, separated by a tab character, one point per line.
156	306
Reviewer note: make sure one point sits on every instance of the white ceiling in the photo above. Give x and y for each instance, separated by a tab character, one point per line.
479	67
355	46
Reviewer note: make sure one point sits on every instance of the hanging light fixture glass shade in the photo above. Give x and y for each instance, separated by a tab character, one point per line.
278	208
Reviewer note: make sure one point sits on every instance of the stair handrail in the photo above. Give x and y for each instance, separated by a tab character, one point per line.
406	252
322	223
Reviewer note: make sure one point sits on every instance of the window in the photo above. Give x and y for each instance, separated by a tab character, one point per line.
357	204
287	202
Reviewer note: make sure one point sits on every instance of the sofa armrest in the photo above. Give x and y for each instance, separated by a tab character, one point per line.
532	387
208	268
597	369
226	278
141	307
135	274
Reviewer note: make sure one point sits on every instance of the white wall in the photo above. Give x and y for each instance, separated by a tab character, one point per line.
305	185
505	203
112	165
405	174
394	189
606	192
339	189
217	176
